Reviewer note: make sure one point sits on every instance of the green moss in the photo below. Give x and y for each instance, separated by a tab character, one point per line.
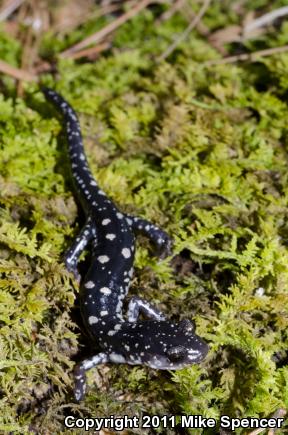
201	152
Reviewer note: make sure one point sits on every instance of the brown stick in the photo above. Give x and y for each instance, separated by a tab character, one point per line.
91	51
246	56
173	9
186	32
8	8
16	73
110	8
98	36
265	19
44	67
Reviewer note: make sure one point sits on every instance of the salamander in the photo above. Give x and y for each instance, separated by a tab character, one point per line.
153	340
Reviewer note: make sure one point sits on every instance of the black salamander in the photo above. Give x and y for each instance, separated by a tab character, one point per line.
155	342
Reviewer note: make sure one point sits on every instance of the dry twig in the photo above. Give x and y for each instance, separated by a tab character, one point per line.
174	8
8	8
111	7
186	32
246	56
265	19
101	34
16	73
250	28
91	51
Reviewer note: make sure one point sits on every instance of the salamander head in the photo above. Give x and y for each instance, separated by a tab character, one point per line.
164	345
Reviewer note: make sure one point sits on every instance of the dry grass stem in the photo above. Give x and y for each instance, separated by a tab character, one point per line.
101	34
247	56
186	32
16	73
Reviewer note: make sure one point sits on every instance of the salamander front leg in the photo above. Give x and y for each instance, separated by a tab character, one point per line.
158	236
138	305
80	373
72	255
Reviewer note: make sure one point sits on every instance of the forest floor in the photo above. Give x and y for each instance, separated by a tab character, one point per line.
183	108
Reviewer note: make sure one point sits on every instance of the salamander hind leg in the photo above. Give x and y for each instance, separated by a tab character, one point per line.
80	373
139	306
159	237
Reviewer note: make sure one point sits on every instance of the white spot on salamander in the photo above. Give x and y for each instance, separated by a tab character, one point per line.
103	259
105	290
116	358
119	215
110	236
106	221
112	332
126	252
92	320
89	284
103	313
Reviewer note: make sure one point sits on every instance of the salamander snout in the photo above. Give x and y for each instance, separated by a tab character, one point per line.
173	346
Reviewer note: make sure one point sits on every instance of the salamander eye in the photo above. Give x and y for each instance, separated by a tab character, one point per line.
187	325
176	353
